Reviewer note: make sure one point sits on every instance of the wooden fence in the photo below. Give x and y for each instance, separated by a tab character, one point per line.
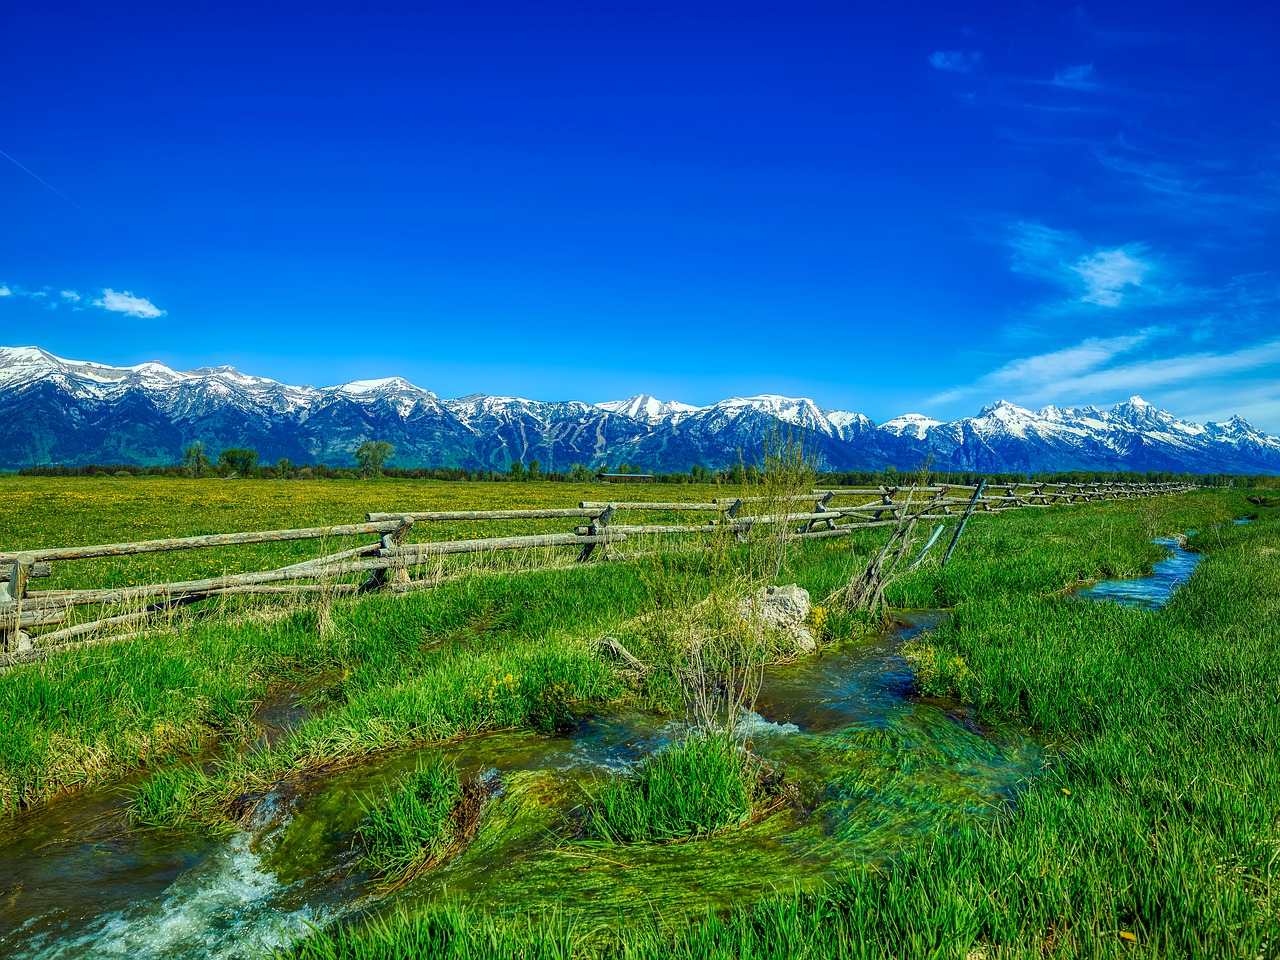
35	623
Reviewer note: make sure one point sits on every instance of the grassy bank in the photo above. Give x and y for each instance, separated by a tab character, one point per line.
1156	833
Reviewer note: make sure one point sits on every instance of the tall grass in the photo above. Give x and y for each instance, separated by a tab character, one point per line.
697	786
414	825
446	932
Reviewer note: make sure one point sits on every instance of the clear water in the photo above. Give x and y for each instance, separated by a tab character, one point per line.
877	769
1157	588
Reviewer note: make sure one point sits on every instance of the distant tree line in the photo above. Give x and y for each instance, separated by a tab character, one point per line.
371	458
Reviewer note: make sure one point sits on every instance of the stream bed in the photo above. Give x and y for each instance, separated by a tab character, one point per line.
877	769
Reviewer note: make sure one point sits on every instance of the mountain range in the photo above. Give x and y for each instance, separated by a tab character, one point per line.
56	411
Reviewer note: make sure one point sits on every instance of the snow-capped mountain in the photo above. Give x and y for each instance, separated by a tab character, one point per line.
649	409
910	425
77	412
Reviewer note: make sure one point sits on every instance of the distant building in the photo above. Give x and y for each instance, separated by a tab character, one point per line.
624	477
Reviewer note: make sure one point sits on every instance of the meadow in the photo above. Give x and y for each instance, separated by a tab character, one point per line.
1154	831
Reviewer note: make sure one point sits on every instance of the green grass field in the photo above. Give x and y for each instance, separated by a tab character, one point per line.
1156	832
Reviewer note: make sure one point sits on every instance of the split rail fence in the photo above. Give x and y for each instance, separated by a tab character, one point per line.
35	623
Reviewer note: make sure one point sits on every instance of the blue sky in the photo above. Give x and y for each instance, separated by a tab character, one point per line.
889	208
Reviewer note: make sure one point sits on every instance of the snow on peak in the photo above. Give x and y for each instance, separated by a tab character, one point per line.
790	409
647	408
381	385
24	355
479	403
910	424
1235	428
1004	409
19	363
1138	412
847	418
1005	417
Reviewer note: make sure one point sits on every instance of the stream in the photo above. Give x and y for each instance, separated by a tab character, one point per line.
877	769
1156	588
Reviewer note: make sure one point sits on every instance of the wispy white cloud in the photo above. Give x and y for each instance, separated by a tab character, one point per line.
1095	275
1254	397
1197	187
1082	76
1070	361
1166	371
128	304
956	61
1041	251
1215	381
1024	375
1107	273
112	300
14	290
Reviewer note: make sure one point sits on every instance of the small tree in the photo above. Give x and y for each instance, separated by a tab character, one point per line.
371	455
239	461
194	460
284	468
578	473
535	470
517	470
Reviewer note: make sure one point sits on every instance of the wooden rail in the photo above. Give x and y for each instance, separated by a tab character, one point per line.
25	611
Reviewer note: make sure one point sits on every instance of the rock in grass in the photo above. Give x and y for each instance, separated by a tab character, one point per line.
783	609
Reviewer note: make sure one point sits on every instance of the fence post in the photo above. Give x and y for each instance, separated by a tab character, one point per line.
977	494
820	507
12	637
400	574
886	497
595	528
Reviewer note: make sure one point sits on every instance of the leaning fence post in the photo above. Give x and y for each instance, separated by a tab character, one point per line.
977	494
390	541
595	529
820	507
937	531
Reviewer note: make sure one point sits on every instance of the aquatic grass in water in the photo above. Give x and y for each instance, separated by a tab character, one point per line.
445	932
695	787
454	692
415	824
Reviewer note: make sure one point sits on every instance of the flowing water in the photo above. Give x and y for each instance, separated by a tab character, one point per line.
1156	589
876	767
